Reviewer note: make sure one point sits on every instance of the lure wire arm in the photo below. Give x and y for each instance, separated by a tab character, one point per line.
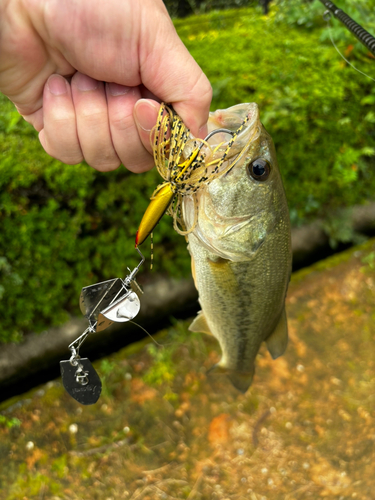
132	275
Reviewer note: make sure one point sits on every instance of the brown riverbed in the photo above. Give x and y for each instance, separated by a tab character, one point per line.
162	429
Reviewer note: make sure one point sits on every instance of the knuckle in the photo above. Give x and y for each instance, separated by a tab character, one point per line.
205	86
138	167
62	151
72	159
203	89
104	164
93	118
121	122
63	116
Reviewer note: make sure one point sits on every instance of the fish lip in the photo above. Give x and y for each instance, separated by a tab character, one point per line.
215	122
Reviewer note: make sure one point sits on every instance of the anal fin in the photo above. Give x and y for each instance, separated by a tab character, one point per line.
278	340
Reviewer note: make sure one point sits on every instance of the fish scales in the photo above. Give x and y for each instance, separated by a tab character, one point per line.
241	252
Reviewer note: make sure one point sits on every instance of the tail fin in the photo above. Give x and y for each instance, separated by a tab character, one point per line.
240	380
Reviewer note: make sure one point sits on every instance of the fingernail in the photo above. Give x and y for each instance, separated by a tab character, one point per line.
57	85
202	132
117	89
145	115
85	83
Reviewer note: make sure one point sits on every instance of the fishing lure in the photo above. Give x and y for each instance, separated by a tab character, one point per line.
171	143
104	303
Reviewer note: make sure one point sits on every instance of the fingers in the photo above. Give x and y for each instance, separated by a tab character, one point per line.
131	144
145	115
92	120
76	123
196	109
171	73
35	119
59	135
89	121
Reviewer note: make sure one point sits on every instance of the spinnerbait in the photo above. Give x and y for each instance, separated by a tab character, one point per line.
112	301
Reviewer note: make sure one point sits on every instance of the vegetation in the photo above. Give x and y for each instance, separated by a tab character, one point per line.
183	8
64	227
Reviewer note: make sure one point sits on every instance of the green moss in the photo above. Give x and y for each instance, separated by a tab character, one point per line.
365	249
314	106
33	486
9	422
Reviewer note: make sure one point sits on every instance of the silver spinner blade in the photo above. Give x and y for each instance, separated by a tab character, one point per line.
95	298
111	301
122	310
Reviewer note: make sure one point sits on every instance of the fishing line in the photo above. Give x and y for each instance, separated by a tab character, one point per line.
167	344
327	17
149	334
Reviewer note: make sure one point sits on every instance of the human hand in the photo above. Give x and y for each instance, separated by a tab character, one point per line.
130	44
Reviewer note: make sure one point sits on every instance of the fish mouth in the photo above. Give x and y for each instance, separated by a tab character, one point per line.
233	117
215	230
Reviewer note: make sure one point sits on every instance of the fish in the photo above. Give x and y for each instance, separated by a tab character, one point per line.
226	196
240	247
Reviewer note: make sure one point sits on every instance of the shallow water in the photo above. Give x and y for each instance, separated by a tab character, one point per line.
163	429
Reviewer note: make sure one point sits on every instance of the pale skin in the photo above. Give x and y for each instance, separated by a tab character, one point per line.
89	76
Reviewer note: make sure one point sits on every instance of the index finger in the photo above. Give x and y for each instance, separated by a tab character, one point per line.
170	72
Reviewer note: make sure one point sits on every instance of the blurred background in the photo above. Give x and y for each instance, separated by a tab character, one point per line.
163	428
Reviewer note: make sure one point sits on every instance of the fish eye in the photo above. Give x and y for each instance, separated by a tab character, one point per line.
259	169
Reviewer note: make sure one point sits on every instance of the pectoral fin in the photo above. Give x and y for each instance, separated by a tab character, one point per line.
278	340
200	324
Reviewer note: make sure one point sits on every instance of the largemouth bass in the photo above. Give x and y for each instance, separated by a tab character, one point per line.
240	248
226	196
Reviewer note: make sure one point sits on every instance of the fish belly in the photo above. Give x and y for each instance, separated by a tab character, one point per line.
242	302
